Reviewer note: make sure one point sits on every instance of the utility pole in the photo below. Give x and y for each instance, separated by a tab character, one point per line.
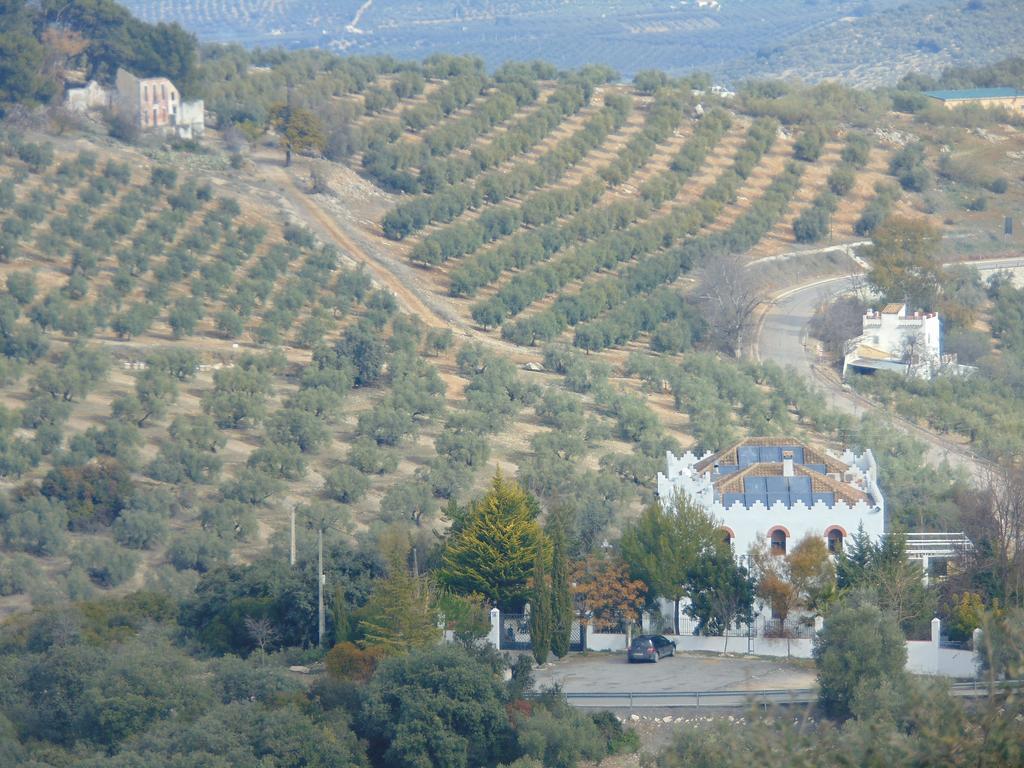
320	587
291	550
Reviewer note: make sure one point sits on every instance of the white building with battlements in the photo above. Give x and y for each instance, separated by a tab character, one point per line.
892	340
777	490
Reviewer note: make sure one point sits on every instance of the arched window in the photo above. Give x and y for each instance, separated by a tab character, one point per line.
727	535
145	93
835	541
778	539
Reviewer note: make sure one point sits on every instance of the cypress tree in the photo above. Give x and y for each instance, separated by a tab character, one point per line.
561	595
540	608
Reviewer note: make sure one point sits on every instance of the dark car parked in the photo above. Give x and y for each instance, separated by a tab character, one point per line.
650	648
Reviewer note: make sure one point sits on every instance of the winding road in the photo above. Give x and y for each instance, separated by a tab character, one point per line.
781	336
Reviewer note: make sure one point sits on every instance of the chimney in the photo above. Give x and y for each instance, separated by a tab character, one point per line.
787	463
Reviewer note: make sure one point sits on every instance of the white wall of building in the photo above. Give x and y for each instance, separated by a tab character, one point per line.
891	332
91	96
753	524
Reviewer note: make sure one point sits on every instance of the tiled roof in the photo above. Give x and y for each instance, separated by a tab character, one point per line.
976	93
817	482
740	454
753	470
892	309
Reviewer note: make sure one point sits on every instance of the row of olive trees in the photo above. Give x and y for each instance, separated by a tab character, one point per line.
449	203
448	181
626	296
634	243
547	205
506	96
816	221
529	247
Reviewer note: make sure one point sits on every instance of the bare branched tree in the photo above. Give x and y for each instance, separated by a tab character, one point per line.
731	294
995	523
837	322
262	632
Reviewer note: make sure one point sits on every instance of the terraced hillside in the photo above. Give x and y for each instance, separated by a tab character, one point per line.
615	210
186	364
502	271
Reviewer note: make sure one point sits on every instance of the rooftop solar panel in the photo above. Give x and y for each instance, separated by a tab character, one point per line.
828	498
728	499
772	498
819	468
750	499
805	497
754	484
747	455
800	484
725	469
777	484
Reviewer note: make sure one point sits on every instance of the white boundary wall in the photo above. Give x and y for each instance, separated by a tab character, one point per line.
924	657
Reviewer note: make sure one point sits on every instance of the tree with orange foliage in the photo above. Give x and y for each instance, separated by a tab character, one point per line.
804	579
603	587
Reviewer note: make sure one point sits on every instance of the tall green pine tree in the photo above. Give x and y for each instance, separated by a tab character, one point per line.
540	608
561	595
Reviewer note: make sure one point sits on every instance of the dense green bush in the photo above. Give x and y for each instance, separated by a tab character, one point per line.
107	564
859	650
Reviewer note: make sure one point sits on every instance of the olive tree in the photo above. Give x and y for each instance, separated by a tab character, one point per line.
858	649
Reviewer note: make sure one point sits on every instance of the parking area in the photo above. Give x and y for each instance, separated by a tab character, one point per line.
610	673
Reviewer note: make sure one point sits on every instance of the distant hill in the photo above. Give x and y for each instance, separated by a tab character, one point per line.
862	41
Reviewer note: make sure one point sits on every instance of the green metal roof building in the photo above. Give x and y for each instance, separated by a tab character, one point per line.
1005	97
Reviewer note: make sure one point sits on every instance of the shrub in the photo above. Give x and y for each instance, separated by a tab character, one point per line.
559	736
107	564
347	661
199	551
246	680
36	524
999	185
22	286
858	649
346	484
139	529
17	574
94	495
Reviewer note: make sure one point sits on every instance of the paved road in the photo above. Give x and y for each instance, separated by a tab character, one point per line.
610	673
782	337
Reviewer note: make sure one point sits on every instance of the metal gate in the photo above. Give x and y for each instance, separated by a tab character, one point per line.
577	636
515	633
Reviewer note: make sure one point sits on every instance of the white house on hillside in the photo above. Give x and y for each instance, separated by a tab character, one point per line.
892	340
151	104
778	489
